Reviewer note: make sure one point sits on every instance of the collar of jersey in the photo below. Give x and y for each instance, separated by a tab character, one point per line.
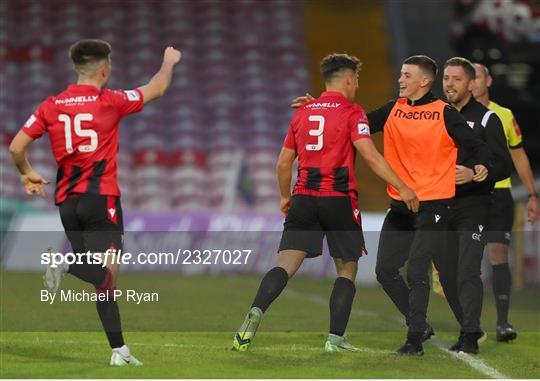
332	94
427	98
83	88
469	104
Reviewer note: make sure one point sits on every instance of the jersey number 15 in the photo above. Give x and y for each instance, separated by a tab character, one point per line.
79	131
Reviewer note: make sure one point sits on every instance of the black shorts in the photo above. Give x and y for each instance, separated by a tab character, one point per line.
501	217
310	218
93	222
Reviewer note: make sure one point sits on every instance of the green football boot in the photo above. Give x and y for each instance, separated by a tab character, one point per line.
246	332
335	343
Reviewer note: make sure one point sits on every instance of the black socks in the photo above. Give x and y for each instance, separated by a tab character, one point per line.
502	284
341	304
107	310
271	286
110	319
341	299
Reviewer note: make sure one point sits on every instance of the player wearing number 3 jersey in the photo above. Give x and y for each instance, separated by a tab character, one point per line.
325	135
82	123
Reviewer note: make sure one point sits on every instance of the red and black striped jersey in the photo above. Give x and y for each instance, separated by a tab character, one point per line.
82	123
322	132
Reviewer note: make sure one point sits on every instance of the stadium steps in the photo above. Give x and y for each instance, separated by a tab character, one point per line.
356	28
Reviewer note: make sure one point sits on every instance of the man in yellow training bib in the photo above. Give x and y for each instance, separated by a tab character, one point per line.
501	215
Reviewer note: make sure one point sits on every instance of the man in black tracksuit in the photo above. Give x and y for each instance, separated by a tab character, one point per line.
460	265
416	146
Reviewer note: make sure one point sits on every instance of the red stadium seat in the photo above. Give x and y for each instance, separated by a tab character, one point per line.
228	93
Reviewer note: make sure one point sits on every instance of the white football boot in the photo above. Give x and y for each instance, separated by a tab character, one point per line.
122	357
53	276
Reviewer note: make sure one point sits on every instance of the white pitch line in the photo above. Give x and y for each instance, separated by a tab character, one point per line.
473	362
294	347
470	360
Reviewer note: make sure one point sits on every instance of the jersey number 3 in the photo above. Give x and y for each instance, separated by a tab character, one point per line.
316	132
79	131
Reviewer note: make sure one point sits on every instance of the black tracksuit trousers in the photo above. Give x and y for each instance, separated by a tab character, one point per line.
416	238
459	265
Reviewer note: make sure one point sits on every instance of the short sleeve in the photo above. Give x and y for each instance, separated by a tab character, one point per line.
289	139
514	134
359	125
35	126
127	101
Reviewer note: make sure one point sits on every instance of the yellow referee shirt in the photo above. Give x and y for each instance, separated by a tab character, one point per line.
511	131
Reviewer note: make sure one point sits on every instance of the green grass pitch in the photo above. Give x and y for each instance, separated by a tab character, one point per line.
188	333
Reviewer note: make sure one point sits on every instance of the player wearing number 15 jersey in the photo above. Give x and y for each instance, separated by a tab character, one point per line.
82	124
324	134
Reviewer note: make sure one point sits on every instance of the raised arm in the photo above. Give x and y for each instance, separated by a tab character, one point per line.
161	81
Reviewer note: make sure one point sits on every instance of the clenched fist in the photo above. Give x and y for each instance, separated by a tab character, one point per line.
172	55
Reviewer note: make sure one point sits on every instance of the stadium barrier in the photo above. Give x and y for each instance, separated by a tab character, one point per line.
187	237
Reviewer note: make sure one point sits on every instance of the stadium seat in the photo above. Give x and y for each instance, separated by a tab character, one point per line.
228	93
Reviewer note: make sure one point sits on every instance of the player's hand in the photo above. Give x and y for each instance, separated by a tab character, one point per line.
33	183
284	205
533	209
300	101
463	174
171	55
480	173
410	199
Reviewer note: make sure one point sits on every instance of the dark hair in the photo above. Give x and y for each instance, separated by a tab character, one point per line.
89	50
333	63
426	64
464	63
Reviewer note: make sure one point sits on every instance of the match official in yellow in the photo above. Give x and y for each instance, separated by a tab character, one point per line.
501	217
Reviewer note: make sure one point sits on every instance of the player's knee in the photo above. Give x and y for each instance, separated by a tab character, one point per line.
497	248
497	257
346	269
290	270
469	277
416	276
113	275
108	285
418	283
107	293
385	273
348	273
108	282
